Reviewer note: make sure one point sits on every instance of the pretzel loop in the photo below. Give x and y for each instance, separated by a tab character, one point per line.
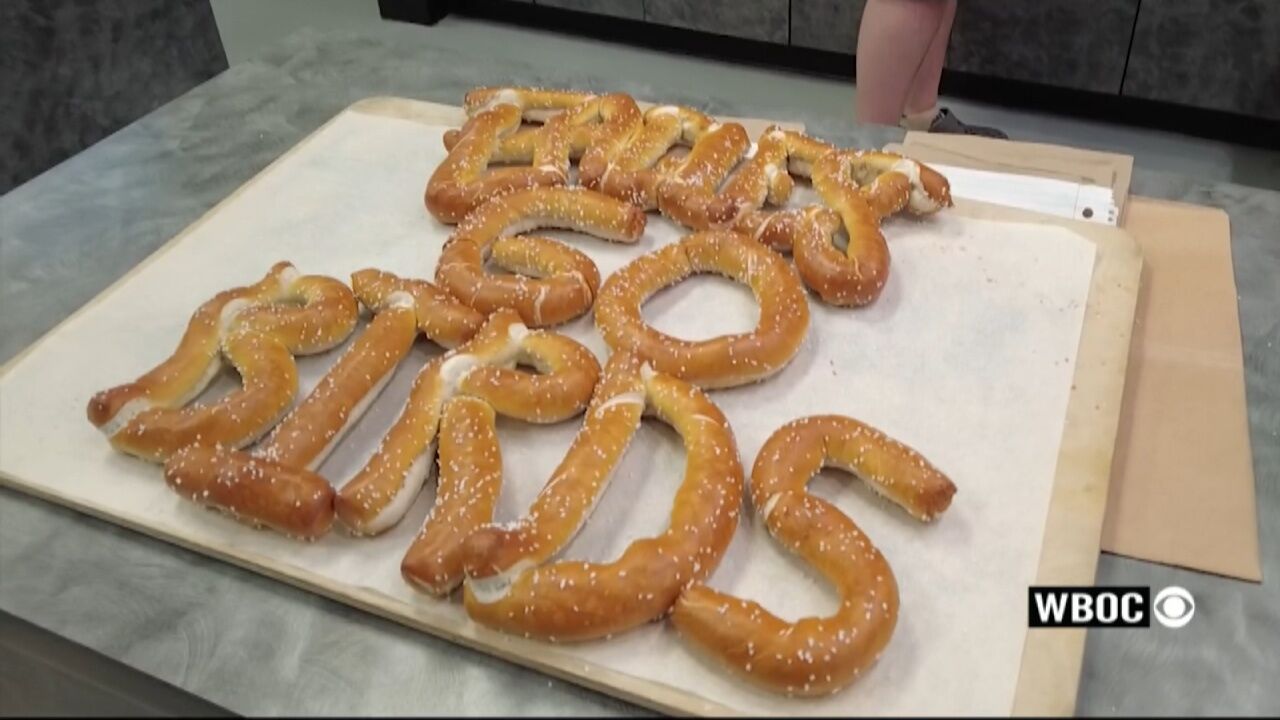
380	494
256	329
724	361
572	601
817	655
564	281
277	485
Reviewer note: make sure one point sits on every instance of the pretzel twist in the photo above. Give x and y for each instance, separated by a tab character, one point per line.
256	329
555	283
817	655
599	123
631	171
724	361
277	485
460	183
440	316
572	601
381	492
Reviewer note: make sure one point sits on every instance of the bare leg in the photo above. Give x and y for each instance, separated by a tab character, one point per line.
893	40
923	95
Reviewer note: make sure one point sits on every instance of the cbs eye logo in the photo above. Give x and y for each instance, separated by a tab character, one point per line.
1174	607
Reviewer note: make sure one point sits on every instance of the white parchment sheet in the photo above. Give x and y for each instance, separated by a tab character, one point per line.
967	356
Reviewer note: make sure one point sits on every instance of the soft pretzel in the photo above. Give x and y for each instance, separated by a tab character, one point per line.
817	655
596	122
629	172
858	190
256	329
724	361
856	276
556	282
379	495
440	316
468	483
460	183
277	485
564	504
763	177
572	601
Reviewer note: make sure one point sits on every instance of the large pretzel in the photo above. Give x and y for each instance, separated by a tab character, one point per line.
631	171
257	330
817	655
556	282
723	361
858	190
380	494
462	182
763	177
277	485
571	601
601	122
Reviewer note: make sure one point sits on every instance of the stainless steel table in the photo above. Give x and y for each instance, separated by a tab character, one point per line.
256	646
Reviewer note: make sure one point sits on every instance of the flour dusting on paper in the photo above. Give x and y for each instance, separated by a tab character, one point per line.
967	357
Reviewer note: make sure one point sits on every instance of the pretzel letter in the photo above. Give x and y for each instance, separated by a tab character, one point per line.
380	494
815	655
573	601
277	485
563	281
723	361
257	330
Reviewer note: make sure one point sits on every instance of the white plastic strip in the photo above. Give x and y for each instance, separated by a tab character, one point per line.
1063	198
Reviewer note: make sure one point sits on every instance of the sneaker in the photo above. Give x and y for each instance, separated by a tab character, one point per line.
946	122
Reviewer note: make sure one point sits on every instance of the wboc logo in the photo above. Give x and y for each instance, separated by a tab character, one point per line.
1174	607
1095	607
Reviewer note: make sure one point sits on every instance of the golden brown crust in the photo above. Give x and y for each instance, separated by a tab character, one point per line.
635	172
572	601
379	495
469	481
290	500
257	329
269	479
564	281
724	361
562	508
816	655
441	317
460	183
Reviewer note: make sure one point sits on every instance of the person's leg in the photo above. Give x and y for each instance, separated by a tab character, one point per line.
920	109
922	98
893	38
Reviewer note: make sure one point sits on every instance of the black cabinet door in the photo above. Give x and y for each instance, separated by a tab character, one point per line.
633	9
1067	43
765	20
826	24
1217	54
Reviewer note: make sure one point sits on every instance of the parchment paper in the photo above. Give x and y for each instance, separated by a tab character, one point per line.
967	357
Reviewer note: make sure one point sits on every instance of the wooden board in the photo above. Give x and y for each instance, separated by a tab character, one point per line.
1051	659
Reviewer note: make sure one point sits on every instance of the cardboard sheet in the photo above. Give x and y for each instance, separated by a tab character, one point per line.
968	357
1182	490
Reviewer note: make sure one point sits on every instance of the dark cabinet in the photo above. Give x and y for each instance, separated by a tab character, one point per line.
1218	54
633	9
765	20
826	24
1066	43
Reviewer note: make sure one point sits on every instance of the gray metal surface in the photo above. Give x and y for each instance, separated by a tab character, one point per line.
256	646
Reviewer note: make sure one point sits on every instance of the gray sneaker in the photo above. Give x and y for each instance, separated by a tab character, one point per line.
945	122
